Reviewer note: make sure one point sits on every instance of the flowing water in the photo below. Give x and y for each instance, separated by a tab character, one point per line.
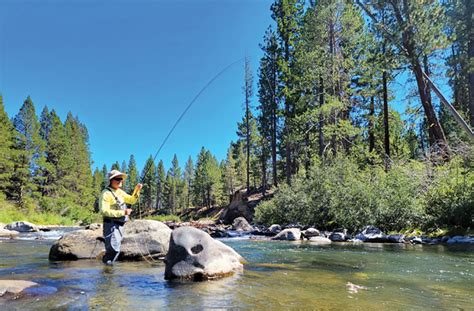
278	276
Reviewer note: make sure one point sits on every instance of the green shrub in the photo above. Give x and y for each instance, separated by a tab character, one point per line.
450	199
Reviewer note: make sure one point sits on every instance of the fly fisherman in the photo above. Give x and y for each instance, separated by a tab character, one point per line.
113	206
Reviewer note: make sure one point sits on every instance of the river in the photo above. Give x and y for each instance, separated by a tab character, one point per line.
278	276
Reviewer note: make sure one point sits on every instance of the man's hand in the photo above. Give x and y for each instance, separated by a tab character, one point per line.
138	187
128	211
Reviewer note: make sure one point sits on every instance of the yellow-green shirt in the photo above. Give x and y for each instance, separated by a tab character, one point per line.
109	207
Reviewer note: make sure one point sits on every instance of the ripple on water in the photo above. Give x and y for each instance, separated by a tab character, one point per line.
279	275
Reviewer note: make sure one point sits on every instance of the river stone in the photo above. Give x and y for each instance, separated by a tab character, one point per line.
319	240
22	226
141	238
292	234
241	224
4	233
371	234
311	232
338	236
14	287
396	238
195	255
274	228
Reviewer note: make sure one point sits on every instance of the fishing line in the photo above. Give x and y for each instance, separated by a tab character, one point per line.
186	110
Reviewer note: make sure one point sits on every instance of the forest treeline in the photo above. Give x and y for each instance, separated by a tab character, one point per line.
325	123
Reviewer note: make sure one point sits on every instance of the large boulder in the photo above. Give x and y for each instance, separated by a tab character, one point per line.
14	287
237	208
22	226
142	238
371	234
241	224
195	255
4	233
291	234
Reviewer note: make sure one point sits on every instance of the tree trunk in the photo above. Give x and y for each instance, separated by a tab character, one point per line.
321	120
386	139
371	124
470	54
409	46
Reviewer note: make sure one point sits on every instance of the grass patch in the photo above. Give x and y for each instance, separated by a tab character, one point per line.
174	218
10	213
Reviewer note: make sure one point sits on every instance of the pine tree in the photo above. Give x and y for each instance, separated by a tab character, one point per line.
268	103
188	180
288	16
160	184
104	173
6	150
29	153
148	192
132	173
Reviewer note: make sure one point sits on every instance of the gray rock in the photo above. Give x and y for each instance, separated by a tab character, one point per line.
292	234
396	238
275	228
319	240
311	232
372	234
147	238
194	255
22	226
339	235
4	233
241	224
416	240
14	287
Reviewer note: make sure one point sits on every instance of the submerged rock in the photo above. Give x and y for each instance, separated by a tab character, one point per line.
195	255
14	287
4	233
141	238
22	226
319	240
292	234
241	224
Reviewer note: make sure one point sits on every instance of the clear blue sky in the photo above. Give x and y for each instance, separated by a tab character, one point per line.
129	68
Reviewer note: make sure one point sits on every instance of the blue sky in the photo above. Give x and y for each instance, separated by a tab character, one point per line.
129	68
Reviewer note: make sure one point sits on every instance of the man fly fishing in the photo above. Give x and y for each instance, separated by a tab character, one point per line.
113	206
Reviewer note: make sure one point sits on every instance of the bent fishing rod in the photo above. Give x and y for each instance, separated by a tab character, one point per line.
145	172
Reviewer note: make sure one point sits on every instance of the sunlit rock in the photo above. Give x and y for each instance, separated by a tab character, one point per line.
142	238
241	224
292	234
195	255
22	226
14	287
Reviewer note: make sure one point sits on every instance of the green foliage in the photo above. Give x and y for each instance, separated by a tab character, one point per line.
450	199
342	194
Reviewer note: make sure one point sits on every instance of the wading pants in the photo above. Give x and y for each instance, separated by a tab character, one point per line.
113	235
